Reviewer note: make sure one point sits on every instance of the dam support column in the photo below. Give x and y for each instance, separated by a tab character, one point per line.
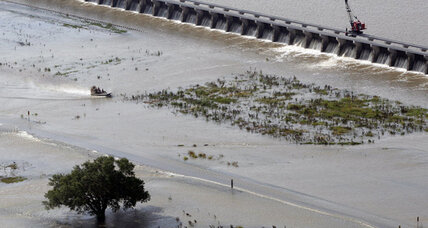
375	53
244	28
342	46
324	43
229	22
156	7
113	3
346	48
308	39
214	19
410	61
260	30
185	12
291	36
276	33
426	65
358	49
171	8
128	4
143	5
392	57
199	17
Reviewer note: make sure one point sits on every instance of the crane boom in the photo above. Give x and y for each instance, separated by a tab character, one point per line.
350	14
356	25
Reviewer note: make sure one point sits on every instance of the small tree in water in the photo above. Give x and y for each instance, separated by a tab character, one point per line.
94	186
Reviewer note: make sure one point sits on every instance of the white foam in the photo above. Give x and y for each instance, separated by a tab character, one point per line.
27	136
67	89
332	61
287	50
55	90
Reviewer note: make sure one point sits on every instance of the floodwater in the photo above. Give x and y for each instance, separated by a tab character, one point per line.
376	185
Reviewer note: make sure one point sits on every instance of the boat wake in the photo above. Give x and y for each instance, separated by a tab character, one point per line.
43	91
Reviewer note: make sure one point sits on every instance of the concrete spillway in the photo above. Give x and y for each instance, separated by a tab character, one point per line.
278	29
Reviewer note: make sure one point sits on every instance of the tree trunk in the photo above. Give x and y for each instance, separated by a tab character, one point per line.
101	219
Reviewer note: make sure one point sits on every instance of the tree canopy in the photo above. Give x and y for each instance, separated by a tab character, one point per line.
95	186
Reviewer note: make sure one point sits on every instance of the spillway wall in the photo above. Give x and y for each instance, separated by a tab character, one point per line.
282	30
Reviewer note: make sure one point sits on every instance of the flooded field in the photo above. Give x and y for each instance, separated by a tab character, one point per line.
49	122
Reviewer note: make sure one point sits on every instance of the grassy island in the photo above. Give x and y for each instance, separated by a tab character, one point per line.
287	108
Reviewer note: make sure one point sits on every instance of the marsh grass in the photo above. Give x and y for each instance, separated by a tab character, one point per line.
73	26
107	26
287	108
11	180
65	74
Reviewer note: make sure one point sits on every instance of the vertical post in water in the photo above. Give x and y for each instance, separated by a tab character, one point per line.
231	183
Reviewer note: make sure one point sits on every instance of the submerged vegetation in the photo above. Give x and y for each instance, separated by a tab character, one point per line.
287	108
11	180
110	27
10	173
203	156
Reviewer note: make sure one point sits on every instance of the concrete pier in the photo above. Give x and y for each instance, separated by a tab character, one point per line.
283	30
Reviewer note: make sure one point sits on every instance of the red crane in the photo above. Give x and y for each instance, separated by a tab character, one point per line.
357	26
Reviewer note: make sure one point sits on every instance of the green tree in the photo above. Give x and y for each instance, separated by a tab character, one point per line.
94	186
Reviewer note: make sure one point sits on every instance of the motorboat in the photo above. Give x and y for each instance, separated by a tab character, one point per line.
97	92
